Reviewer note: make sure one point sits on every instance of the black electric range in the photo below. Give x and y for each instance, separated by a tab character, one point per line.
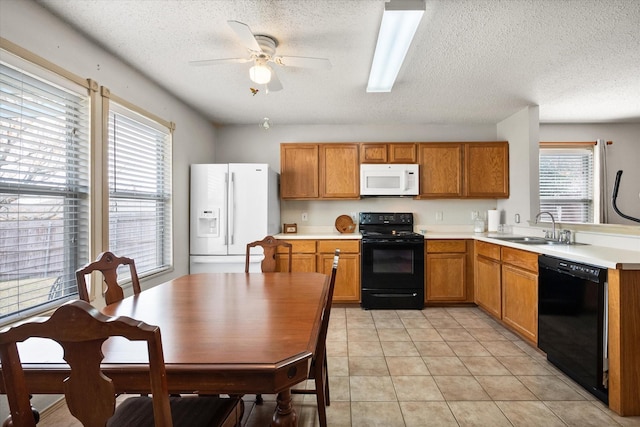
392	261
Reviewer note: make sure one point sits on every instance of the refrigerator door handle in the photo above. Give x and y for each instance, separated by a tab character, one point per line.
232	195
226	197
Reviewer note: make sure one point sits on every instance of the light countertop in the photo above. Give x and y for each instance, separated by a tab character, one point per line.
319	235
601	256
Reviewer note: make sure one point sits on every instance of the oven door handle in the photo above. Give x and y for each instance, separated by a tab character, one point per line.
411	294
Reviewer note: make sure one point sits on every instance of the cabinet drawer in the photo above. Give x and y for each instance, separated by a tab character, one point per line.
488	250
300	247
441	246
519	258
345	246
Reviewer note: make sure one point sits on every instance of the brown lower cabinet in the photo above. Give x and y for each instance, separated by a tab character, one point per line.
520	292
317	256
507	286
303	257
488	286
448	271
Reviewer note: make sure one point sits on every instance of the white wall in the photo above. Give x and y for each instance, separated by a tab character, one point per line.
623	154
521	130
254	144
28	25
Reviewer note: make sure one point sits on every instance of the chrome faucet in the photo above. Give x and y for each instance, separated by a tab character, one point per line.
553	222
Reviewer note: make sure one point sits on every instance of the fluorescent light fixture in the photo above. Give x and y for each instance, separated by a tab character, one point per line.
260	74
399	24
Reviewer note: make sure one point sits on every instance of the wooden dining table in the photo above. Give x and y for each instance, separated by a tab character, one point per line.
222	333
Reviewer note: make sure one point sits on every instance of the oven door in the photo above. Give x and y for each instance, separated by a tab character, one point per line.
392	274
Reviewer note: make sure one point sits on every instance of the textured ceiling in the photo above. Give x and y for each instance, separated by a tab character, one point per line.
473	61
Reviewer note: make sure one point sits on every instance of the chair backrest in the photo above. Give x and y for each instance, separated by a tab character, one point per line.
81	330
108	264
324	322
270	246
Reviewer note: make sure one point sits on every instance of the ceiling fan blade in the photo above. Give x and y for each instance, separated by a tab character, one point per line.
220	61
274	84
246	36
304	62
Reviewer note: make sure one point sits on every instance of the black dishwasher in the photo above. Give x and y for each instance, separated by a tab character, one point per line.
572	326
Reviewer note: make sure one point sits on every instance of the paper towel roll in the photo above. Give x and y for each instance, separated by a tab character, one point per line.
493	219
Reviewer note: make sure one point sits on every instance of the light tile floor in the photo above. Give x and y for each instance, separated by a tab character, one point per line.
435	367
439	367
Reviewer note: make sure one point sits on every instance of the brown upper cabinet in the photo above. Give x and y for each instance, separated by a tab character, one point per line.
319	171
486	167
388	153
440	170
464	169
299	171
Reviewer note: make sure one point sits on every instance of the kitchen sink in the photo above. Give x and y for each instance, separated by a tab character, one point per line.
531	240
524	239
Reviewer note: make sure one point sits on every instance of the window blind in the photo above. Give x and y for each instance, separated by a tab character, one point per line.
566	183
44	187
139	190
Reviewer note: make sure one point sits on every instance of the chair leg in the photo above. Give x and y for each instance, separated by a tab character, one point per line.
325	377
321	402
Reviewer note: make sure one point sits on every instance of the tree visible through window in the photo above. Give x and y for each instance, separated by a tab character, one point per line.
566	182
44	187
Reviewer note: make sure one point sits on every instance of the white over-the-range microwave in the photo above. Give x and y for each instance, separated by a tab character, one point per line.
389	180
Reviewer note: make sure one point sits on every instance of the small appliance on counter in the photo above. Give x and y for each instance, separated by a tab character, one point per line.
392	262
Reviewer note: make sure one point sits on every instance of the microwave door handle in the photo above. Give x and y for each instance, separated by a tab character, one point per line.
405	180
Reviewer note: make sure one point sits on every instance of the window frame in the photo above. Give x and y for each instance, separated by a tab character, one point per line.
591	201
111	102
75	253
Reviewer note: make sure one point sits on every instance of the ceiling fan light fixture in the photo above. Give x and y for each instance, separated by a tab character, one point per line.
260	74
400	21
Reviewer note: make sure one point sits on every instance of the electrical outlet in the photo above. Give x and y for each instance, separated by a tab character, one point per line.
474	214
439	216
354	216
305	216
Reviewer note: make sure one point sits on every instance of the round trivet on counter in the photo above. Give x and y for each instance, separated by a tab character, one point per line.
345	224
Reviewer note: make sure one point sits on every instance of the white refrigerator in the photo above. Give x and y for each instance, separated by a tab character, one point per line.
231	205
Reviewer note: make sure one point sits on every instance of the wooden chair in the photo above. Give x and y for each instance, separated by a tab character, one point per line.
108	264
81	330
270	246
318	370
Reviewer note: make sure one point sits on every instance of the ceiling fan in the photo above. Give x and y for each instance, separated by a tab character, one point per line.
262	51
